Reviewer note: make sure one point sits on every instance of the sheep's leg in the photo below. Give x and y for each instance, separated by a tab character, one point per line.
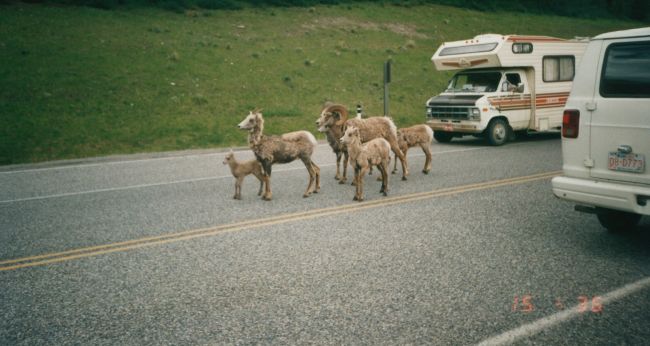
312	175
267	181
338	163
383	168
260	177
427	153
346	158
317	171
355	182
356	174
395	165
362	172
238	184
395	148
379	178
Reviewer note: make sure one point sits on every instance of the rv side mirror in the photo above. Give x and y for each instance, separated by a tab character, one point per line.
504	86
520	88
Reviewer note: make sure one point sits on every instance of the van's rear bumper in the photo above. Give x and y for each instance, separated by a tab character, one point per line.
630	198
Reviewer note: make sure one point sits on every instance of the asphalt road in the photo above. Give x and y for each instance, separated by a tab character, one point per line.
153	250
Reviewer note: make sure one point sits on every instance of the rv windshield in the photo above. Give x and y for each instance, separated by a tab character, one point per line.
475	81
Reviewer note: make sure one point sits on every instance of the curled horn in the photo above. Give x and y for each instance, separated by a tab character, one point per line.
341	110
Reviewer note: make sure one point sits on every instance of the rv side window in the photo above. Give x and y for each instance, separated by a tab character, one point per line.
475	48
625	71
558	68
522	48
512	82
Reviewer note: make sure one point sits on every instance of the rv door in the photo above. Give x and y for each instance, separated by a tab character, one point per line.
515	96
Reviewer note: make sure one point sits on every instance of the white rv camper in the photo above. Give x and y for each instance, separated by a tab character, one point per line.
505	84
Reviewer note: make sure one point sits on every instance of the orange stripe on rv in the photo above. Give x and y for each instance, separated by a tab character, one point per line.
516	102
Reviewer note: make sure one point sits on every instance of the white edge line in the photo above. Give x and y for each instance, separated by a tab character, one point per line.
532	328
110	163
121	188
119	162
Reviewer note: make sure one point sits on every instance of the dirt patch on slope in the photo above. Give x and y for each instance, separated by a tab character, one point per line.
348	24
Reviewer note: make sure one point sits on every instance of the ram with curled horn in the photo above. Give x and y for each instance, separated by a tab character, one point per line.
334	120
331	122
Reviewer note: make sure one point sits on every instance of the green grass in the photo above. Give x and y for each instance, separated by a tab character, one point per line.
79	82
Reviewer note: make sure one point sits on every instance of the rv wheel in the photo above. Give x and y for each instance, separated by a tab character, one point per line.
617	221
497	132
443	137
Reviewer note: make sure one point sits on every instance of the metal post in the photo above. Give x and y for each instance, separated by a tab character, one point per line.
386	81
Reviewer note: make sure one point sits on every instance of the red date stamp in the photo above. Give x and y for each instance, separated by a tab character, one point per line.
525	304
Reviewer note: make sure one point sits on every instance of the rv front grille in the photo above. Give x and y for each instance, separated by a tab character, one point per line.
449	112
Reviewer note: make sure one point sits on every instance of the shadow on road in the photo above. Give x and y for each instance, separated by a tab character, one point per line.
634	242
478	141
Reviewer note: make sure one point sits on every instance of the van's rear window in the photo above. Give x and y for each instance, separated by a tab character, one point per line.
626	71
476	48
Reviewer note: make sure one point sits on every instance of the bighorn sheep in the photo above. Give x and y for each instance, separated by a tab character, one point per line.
241	169
332	124
375	152
409	137
281	149
333	121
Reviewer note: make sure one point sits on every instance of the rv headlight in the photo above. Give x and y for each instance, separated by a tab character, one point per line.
475	113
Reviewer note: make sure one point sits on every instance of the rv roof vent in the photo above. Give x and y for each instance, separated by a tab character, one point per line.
491	37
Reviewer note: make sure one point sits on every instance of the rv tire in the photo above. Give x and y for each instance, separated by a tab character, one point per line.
497	132
443	137
617	221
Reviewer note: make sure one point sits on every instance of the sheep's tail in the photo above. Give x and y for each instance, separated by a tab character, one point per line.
429	132
392	126
311	138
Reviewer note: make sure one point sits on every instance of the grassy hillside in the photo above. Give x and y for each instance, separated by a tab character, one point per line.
80	82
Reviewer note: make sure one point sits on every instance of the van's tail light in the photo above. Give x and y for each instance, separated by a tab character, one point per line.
570	123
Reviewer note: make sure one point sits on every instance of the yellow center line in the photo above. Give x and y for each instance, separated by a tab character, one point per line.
56	257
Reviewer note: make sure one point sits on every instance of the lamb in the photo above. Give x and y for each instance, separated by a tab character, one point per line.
375	152
334	120
409	137
241	169
281	149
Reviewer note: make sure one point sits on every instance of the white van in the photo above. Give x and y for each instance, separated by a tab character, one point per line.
506	83
606	131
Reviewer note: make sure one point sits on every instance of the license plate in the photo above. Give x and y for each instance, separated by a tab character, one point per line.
634	163
448	128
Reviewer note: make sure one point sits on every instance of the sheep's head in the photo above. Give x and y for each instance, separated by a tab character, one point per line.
229	157
254	118
351	134
332	115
